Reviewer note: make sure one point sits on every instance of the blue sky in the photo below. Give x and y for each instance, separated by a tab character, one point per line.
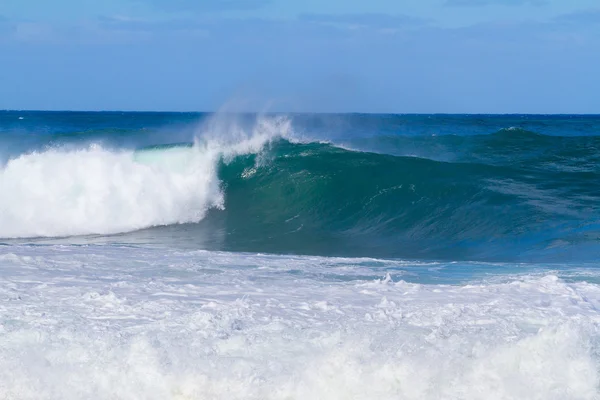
404	56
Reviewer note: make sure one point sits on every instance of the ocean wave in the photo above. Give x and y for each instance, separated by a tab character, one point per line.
94	190
267	187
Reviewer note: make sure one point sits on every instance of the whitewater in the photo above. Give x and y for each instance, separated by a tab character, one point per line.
191	256
147	324
94	190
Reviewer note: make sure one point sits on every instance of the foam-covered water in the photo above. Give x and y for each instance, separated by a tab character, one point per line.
137	323
180	256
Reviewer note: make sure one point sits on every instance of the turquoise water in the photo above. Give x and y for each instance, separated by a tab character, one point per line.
428	187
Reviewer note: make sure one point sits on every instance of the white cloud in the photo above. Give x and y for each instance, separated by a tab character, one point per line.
471	3
208	5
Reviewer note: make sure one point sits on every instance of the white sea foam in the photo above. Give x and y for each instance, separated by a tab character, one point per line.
139	323
62	192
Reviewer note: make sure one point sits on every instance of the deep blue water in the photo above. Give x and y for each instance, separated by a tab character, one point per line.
429	187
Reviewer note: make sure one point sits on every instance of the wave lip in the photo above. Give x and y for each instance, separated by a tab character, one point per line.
62	192
95	191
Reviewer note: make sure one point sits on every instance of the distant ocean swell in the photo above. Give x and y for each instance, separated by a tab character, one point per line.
271	189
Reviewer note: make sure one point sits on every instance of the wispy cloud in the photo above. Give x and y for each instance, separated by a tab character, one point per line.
307	28
581	17
208	5
27	31
83	31
125	22
477	3
33	31
134	29
367	20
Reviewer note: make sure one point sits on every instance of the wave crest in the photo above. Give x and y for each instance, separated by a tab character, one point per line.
62	192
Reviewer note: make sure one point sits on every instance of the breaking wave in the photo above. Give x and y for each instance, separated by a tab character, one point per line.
272	189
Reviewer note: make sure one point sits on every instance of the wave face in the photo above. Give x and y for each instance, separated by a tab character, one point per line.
315	198
387	186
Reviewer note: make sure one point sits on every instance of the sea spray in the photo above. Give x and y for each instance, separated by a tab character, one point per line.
94	190
517	188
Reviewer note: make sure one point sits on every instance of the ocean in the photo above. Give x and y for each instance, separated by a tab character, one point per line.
299	256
